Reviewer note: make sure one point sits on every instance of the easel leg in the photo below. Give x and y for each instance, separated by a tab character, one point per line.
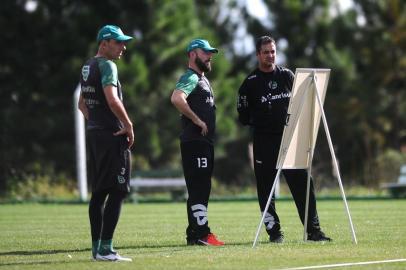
267	206
330	144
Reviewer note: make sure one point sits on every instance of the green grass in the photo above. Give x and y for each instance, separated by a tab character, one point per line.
56	236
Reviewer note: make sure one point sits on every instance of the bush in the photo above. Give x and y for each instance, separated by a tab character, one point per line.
388	165
35	187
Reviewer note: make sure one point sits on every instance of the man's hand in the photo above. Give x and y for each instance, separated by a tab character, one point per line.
117	107
203	126
178	99
127	130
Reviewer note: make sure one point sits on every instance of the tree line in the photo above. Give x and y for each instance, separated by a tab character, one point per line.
45	46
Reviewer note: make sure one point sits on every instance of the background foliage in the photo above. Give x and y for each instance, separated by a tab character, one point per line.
44	48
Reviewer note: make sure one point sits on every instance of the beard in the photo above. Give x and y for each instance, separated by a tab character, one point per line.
205	67
268	63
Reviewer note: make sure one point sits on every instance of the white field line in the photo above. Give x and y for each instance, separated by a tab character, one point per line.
342	264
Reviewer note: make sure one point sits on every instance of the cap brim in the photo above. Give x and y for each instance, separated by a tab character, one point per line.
123	38
212	50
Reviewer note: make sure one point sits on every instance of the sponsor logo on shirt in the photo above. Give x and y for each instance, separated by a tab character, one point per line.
85	72
280	96
210	100
88	89
271	97
91	102
205	88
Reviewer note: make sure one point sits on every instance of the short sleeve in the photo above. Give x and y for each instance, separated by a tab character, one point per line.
187	82
108	72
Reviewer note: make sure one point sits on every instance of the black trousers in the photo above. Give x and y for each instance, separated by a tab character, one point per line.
197	161
109	172
266	150
109	161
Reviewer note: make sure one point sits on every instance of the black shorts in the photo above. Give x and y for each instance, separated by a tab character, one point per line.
197	160
109	161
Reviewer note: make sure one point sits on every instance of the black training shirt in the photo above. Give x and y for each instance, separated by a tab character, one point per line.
199	96
97	73
263	99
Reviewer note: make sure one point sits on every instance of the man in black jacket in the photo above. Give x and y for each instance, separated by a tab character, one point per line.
263	101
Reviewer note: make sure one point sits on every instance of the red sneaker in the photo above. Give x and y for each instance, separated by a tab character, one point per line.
210	240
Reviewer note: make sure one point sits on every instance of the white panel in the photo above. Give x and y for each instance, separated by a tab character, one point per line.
300	133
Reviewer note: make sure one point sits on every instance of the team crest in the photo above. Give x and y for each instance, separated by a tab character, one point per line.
121	179
85	72
273	85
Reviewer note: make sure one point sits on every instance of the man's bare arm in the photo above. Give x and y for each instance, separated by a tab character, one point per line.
117	107
178	99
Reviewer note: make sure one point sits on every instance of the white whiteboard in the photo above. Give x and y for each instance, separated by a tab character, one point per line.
300	133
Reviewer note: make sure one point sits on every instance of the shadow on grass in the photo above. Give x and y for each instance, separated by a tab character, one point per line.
43	252
40	252
44	262
174	248
59	251
141	246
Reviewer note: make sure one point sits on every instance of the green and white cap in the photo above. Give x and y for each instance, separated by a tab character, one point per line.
202	44
112	32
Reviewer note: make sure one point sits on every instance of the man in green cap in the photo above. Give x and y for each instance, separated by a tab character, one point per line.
109	137
193	97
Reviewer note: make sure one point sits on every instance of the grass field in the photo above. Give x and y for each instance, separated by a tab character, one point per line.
56	236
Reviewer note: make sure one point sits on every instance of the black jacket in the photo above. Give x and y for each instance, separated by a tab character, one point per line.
263	99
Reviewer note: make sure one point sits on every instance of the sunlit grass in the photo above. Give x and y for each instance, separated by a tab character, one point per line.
56	236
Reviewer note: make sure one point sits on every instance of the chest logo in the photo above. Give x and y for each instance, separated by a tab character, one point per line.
273	85
85	72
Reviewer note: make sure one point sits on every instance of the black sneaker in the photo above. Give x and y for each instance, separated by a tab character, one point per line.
276	237
318	236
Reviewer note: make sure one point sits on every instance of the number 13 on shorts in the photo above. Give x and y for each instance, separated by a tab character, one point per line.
201	162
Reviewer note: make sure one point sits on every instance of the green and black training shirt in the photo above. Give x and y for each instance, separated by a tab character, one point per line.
97	73
199	96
